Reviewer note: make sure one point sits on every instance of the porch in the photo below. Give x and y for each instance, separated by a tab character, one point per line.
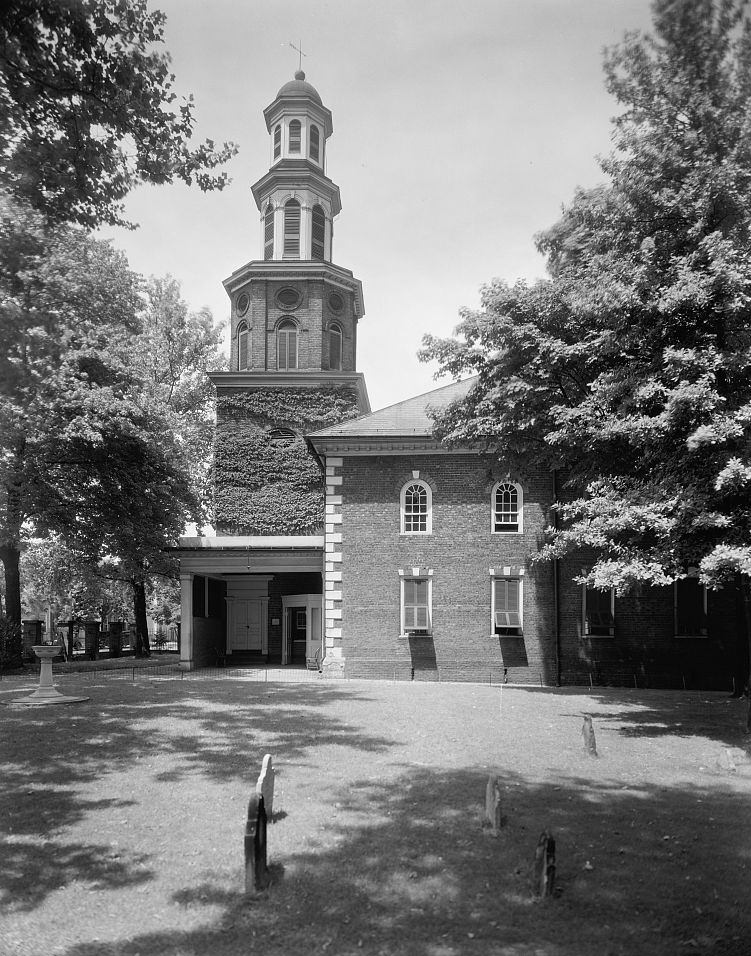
251	600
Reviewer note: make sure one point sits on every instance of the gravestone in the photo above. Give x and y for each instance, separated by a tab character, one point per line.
493	814
256	870
543	877
265	785
588	733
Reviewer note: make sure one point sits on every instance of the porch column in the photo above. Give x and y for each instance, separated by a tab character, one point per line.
186	621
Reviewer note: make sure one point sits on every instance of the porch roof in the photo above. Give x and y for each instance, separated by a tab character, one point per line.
224	555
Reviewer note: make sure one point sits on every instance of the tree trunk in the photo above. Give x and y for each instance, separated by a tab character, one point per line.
141	647
746	590
11	558
11	644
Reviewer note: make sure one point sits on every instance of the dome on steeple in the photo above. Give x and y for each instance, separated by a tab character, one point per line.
299	87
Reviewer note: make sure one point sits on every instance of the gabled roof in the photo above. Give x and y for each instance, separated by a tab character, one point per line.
409	418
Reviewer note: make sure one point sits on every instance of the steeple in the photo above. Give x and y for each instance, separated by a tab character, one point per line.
294	312
296	199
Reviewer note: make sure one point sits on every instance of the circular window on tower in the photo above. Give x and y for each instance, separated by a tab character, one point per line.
336	302
288	298
243	301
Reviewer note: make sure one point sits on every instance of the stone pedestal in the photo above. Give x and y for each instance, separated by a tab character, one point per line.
45	692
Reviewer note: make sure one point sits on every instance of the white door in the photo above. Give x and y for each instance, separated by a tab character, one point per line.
247	632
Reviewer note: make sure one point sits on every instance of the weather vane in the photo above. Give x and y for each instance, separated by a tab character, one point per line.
298	49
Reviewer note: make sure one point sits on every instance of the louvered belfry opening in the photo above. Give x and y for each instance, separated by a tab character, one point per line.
277	142
268	232
315	144
294	136
318	234
292	229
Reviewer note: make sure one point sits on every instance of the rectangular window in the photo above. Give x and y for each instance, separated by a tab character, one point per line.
690	604
507	606
598	612
416	599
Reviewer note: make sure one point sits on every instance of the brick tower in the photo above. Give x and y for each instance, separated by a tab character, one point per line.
294	335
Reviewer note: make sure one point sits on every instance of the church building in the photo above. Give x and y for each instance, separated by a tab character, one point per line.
352	540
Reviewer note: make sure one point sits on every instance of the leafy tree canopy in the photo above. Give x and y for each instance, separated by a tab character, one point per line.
629	368
87	109
85	449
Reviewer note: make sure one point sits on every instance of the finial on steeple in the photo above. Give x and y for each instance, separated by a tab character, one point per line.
299	75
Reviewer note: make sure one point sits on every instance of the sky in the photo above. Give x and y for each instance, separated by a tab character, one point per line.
460	130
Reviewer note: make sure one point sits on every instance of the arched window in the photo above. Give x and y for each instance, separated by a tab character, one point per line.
281	436
315	144
507	500
317	233
292	229
268	232
294	136
277	142
242	346
416	508
286	345
335	347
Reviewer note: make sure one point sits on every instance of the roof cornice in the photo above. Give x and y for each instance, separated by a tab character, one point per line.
223	381
362	446
297	174
293	269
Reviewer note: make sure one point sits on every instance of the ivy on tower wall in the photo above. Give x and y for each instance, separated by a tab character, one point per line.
262	485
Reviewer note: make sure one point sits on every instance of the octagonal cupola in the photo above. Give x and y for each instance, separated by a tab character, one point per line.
296	199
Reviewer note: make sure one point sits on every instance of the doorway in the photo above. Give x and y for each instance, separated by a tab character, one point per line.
301	632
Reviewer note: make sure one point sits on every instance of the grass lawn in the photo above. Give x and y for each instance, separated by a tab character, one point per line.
123	817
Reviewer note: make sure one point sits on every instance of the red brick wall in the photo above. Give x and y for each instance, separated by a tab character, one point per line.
461	550
313	317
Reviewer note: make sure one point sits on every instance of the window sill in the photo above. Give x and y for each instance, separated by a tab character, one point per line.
519	531
415	534
691	637
406	634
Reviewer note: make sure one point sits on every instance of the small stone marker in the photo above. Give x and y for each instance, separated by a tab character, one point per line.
588	733
543	877
265	785
256	871
493	814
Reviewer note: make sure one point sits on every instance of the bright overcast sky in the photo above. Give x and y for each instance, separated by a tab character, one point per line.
460	128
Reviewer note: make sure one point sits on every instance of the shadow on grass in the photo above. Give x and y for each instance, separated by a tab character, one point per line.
653	871
49	755
661	713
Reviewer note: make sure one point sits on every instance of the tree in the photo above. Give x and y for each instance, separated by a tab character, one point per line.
85	452
630	367
174	351
56	578
67	308
87	109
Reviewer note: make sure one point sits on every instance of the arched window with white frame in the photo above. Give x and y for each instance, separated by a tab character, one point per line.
507	501
292	229
286	345
242	346
416	508
335	347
